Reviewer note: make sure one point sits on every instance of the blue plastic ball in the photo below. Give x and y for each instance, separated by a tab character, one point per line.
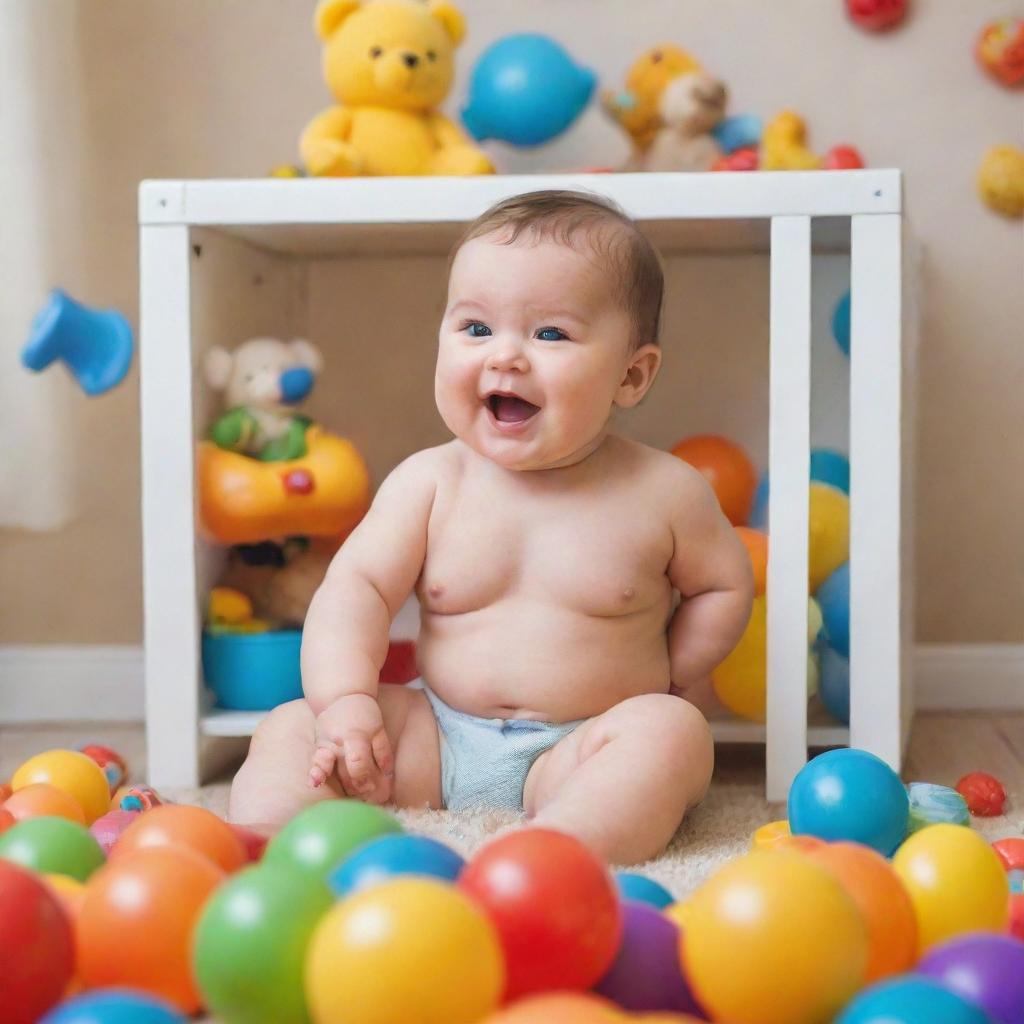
911	1000
641	889
834	683
525	89
852	795
387	856
931	804
759	513
833	597
841	324
738	132
114	1006
831	467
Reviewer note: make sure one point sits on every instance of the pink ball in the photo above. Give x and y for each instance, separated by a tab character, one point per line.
107	830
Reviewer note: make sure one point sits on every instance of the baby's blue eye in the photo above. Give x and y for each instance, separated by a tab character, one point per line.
551	334
477	330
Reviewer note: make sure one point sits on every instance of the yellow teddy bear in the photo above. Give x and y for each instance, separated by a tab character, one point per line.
389	63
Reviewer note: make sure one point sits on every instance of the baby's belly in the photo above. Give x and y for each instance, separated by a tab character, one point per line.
524	659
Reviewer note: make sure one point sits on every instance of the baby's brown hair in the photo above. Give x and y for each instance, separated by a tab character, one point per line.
560	215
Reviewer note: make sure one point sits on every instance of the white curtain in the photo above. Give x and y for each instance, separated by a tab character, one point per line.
40	134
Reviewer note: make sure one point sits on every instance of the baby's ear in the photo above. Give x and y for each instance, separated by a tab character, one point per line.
217	367
450	17
330	14
639	376
307	354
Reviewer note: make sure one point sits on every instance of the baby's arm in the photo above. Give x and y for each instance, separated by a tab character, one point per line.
346	635
711	570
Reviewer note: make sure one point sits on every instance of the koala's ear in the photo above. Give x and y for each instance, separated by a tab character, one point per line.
330	14
307	354
217	367
452	20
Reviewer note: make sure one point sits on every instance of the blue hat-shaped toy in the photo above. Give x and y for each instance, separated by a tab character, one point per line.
525	89
95	344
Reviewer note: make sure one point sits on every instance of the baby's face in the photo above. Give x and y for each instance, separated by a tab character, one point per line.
532	351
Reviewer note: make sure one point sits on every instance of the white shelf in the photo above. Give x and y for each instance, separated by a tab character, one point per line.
699	213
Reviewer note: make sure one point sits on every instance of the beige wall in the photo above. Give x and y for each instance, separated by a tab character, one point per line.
212	88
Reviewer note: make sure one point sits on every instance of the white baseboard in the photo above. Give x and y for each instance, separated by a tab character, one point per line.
71	683
82	683
966	677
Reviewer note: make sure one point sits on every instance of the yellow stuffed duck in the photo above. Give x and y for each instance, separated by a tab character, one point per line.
389	64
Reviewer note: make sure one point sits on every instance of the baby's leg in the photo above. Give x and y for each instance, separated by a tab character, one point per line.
271	787
623	781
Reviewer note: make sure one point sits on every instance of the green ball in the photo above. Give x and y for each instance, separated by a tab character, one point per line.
320	837
249	947
53	846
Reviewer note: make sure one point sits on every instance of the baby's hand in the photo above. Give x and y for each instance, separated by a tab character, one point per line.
350	739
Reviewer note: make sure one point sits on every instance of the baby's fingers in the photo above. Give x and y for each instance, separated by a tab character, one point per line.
359	761
322	766
382	754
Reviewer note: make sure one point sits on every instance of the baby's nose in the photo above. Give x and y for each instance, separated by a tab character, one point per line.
508	357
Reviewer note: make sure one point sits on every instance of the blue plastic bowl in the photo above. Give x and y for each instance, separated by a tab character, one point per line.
253	671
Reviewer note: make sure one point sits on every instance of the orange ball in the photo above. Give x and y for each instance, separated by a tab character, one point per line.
883	901
136	921
756	544
727	468
563	1007
5	791
6	820
40	799
180	825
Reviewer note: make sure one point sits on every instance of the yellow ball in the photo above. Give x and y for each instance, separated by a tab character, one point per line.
828	534
73	772
408	950
741	680
774	939
956	883
679	914
768	835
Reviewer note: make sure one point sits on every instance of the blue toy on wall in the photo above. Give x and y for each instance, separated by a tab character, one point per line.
525	89
96	345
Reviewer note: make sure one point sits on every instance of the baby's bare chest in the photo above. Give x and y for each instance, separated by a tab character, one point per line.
602	555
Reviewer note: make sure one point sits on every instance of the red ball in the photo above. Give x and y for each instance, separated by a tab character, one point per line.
877	15
1011	852
36	946
555	908
1016	927
842	158
984	794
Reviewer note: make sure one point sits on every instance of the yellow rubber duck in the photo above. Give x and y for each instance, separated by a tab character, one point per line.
784	145
1001	180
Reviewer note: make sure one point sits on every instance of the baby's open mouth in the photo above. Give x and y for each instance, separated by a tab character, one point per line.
509	408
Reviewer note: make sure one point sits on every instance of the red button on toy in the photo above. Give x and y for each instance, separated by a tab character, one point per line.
299	481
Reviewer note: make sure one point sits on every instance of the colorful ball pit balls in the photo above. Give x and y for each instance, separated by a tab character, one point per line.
36	946
831	467
641	889
756	544
987	970
772	938
955	881
853	795
1011	852
911	1000
1016	925
114	1007
877	15
828	544
52	846
71	771
40	799
554	906
727	467
7	820
869	880
136	922
834	598
984	794
109	829
181	825
249	947
408	949
388	857
841	324
318	838
646	973
931	804
834	684
560	1008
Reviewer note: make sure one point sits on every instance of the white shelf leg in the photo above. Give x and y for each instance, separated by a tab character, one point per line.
789	446
169	573
875	461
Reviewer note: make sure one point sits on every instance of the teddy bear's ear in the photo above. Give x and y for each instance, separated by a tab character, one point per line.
217	367
450	17
330	14
307	354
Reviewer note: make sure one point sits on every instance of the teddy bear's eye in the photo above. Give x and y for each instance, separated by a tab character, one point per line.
656	57
375	52
431	56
